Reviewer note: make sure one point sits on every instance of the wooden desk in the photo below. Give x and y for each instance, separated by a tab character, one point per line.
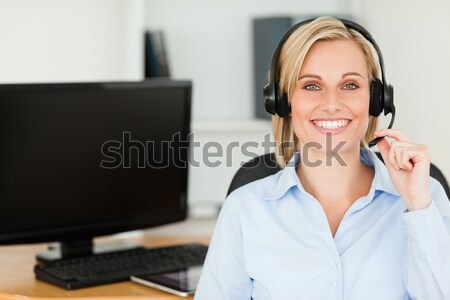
17	279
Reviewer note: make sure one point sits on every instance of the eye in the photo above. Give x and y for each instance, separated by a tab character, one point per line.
351	86
311	87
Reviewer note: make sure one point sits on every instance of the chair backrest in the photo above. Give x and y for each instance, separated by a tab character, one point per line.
257	168
265	165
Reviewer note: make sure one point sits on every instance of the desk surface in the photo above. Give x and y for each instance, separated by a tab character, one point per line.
17	279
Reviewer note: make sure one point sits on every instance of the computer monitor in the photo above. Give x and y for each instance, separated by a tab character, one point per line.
82	160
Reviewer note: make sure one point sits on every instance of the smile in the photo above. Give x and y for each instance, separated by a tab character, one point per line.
331	124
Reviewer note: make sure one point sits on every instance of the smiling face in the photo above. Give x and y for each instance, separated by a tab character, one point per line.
331	96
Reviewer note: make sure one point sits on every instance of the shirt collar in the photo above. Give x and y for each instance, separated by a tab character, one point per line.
382	180
289	178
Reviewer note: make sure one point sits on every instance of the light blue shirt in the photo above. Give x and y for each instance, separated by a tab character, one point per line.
273	241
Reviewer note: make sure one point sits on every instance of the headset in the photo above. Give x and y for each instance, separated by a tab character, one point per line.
381	93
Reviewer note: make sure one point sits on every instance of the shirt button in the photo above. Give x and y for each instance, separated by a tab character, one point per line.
333	266
334	283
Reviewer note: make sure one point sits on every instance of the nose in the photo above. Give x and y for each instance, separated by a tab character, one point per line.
331	102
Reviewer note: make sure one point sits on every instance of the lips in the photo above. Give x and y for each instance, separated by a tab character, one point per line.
331	124
334	126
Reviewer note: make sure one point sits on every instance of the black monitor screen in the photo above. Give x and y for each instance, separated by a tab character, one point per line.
82	160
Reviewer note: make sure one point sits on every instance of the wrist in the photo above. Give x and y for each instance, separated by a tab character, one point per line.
419	203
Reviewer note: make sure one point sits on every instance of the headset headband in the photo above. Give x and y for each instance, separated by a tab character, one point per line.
347	23
382	94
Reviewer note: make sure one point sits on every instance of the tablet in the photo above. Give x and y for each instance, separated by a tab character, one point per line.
181	282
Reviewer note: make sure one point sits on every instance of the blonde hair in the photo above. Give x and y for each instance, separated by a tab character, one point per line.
290	62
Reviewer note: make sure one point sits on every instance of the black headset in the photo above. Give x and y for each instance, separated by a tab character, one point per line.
381	93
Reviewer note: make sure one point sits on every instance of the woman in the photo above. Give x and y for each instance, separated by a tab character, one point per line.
330	226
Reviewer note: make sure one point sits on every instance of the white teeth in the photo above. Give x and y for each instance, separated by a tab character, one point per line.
331	124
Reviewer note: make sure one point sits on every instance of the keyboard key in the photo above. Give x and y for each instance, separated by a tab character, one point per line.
118	266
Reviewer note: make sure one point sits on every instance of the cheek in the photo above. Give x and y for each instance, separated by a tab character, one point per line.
361	113
301	107
359	105
362	110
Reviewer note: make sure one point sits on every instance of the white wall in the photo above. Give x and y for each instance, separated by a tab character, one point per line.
211	43
133	41
414	36
235	143
70	40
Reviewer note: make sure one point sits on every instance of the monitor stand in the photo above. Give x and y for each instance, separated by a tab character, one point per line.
74	249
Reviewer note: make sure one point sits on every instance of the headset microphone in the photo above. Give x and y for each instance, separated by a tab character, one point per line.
376	140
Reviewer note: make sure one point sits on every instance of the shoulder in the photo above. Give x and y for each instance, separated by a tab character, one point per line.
261	186
243	204
255	191
439	196
437	188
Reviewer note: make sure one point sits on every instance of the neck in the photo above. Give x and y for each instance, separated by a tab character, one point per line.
338	178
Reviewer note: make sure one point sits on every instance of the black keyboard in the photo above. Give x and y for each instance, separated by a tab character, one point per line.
75	273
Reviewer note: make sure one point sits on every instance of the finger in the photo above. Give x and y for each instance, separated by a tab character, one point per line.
420	158
397	152
392	133
407	160
398	156
417	154
392	159
423	154
402	158
385	149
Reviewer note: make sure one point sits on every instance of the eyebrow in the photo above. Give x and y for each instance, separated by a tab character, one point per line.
310	75
352	73
320	78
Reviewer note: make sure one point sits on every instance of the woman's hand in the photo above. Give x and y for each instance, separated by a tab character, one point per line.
409	167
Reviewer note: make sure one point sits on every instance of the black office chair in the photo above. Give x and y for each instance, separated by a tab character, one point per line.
265	165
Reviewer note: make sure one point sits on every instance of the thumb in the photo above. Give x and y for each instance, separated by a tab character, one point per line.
384	148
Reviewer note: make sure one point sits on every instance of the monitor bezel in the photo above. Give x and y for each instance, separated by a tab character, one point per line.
90	230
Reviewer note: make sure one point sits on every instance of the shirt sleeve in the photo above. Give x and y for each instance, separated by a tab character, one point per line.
428	232
224	275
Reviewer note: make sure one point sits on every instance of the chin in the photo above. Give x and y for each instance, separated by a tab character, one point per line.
325	144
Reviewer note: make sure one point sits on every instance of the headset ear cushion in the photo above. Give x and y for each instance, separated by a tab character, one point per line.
388	99
376	101
269	99
283	108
